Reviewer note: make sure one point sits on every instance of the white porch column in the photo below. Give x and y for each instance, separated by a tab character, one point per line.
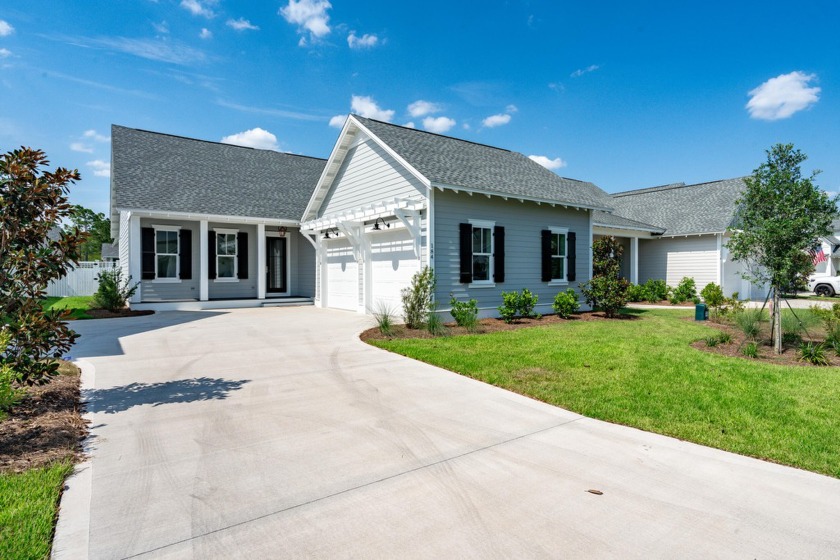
261	271
634	260
204	267
135	251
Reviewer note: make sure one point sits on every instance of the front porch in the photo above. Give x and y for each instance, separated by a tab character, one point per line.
215	262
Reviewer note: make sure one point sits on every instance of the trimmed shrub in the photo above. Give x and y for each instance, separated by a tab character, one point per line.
527	303
417	298
656	290
686	290
113	291
516	304
712	294
636	293
566	303
465	313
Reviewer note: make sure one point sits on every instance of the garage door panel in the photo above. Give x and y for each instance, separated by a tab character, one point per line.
342	276
393	263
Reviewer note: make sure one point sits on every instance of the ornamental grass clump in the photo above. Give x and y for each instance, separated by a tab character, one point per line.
749	321
384	319
813	353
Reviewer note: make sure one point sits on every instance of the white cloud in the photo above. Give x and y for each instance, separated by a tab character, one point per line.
782	96
338	121
438	124
555	163
511	109
420	108
81	147
366	41
409	124
161	27
100	168
95	136
198	8
241	24
205	33
558	87
365	106
5	53
581	71
5	28
308	15
496	120
254	138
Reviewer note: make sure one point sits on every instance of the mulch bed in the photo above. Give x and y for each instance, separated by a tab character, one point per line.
105	314
788	357
46	426
490	325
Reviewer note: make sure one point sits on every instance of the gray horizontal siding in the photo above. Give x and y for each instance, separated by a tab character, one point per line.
523	223
246	288
369	174
303	268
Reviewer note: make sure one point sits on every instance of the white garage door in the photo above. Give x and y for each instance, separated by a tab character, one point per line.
342	276
393	263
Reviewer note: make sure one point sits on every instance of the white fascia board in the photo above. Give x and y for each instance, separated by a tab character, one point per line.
519	197
331	162
675	235
380	209
628	228
195	216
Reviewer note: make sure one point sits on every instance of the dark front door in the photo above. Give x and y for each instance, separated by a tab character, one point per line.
276	261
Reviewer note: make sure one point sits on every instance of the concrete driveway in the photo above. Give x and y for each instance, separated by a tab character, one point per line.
276	433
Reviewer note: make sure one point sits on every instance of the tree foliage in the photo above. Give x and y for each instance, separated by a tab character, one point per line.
607	290
95	225
32	202
781	217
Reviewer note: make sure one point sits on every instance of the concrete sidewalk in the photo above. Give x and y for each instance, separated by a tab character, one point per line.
275	433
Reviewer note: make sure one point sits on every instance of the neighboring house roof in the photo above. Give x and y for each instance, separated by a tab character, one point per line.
110	251
605	219
161	172
451	162
683	209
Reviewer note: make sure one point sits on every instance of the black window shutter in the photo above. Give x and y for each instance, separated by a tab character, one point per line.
571	255
211	255
499	254
147	237
546	255
466	253
242	254
185	246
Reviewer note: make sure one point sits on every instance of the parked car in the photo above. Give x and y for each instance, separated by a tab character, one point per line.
826	286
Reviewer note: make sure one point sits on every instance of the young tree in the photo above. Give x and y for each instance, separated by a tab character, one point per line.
96	225
781	216
33	201
607	290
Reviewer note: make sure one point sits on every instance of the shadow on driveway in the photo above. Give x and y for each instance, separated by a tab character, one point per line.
119	399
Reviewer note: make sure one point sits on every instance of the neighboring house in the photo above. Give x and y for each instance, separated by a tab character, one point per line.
200	221
694	222
110	252
393	199
213	225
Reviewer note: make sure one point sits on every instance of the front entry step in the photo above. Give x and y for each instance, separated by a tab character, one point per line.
288	302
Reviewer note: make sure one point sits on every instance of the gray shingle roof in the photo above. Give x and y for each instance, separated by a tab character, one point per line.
154	171
600	218
460	163
683	209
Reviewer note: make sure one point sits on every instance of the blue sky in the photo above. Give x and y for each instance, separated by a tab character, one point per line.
624	94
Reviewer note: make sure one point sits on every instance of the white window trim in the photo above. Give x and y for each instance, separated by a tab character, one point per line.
564	231
177	278
235	278
490	282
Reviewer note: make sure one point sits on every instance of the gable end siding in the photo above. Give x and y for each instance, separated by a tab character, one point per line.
368	175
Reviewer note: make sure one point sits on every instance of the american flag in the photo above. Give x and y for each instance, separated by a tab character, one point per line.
817	255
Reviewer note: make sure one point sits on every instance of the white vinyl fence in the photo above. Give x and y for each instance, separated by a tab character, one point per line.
81	281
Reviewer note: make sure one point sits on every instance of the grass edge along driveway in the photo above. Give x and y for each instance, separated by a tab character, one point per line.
644	373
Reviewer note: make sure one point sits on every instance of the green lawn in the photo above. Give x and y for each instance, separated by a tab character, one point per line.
644	373
28	503
77	304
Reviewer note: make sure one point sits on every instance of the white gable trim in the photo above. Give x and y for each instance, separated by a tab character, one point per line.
379	209
521	198
347	140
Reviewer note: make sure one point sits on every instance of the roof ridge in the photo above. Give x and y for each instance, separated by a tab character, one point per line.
180	137
436	134
672	186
